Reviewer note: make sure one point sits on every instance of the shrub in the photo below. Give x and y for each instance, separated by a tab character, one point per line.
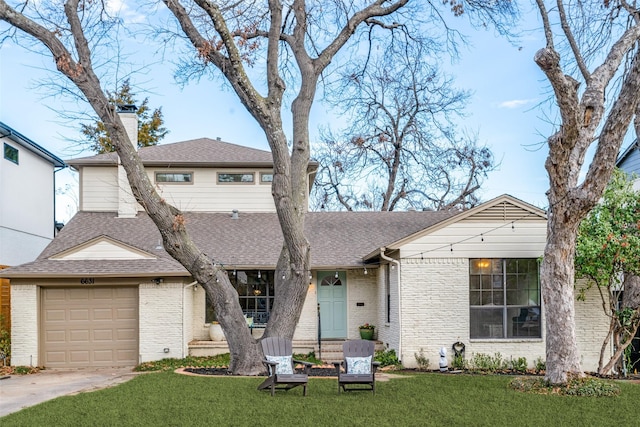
540	365
387	358
5	341
459	363
519	364
169	364
309	357
481	362
421	360
584	387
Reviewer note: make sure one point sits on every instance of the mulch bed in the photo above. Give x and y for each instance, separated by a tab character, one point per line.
315	372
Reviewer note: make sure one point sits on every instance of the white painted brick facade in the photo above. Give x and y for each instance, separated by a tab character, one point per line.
435	313
200	329
307	328
161	326
24	324
592	326
361	288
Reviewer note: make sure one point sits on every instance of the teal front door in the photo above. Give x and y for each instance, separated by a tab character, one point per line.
332	298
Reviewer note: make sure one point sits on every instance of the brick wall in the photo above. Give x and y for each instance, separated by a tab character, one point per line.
435	314
24	321
161	323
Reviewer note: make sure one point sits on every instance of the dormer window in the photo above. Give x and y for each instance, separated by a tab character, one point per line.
174	177
235	178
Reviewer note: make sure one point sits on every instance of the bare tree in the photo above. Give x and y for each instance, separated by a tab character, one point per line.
400	149
594	72
297	40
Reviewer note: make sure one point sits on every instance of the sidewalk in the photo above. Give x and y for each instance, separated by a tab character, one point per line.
21	391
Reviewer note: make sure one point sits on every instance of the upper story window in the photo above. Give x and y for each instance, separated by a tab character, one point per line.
10	153
174	177
266	178
235	178
504	298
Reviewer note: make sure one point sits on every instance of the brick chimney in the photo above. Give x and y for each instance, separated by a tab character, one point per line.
127	204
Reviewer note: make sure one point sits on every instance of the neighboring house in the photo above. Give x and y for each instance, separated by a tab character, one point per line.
27	210
629	162
105	292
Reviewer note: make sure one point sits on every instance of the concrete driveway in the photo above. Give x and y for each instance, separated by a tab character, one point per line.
21	391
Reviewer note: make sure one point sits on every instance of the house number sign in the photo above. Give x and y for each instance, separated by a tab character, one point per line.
87	281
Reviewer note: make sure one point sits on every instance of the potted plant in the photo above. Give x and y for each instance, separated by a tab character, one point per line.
215	332
366	331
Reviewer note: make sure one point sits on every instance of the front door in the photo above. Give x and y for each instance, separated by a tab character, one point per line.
332	298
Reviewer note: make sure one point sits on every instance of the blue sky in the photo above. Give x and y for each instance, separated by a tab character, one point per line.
506	87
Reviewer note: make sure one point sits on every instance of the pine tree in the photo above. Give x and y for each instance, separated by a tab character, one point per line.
150	129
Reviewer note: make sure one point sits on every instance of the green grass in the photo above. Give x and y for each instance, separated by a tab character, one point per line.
169	399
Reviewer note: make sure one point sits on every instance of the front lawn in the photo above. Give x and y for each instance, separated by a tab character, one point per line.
170	399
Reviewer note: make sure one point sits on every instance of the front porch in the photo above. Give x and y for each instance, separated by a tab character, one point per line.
330	351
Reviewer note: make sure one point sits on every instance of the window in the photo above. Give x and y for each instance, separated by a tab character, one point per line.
174	177
11	153
504	298
255	292
235	178
266	178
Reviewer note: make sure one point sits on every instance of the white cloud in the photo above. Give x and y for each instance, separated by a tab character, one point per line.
515	103
117	7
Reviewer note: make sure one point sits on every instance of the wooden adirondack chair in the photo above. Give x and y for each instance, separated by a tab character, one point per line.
358	367
280	366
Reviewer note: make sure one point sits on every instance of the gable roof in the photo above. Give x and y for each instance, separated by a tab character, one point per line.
103	248
23	141
621	158
502	208
196	152
254	240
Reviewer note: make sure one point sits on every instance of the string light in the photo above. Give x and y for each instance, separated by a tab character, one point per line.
481	235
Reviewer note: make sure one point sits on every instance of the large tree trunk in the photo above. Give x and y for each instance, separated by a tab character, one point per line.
557	278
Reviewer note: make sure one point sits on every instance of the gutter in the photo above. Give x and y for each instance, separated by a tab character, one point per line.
397	263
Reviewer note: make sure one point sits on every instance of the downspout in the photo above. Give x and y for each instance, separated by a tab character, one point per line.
185	348
397	263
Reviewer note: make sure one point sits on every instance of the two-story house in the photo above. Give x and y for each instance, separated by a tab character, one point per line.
629	162
105	292
27	210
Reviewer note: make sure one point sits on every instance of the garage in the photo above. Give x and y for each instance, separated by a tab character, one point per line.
89	327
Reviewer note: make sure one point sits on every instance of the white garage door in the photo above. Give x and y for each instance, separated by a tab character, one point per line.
94	327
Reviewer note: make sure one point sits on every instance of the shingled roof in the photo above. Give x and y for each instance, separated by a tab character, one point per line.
338	240
195	152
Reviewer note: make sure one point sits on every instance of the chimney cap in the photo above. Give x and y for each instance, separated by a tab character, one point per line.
126	108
